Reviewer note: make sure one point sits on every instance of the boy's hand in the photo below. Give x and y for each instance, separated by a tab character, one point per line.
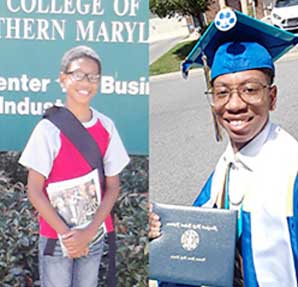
79	254
76	242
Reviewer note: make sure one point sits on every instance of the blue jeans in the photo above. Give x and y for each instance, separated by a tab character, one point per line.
59	271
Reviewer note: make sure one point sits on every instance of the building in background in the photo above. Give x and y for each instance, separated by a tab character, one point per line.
163	28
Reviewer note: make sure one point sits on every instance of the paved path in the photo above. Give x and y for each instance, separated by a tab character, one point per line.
158	48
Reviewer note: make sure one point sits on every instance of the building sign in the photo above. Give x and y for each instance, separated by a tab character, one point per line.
34	34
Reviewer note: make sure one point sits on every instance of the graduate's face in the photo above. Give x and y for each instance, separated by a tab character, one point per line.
244	121
80	81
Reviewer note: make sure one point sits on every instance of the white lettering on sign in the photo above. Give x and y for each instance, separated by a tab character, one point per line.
90	31
24	84
25	107
67	7
109	86
23	28
83	27
126	7
116	31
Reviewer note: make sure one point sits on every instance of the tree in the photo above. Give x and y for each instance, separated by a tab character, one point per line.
168	8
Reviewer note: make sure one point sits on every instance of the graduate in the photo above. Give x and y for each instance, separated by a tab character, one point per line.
257	173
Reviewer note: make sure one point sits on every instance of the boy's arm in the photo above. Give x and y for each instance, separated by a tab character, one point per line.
77	239
41	202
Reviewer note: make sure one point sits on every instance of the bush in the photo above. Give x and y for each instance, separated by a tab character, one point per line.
18	237
19	231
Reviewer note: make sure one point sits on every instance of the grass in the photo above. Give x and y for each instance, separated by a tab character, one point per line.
171	61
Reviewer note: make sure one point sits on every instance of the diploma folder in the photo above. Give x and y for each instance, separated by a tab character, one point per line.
196	246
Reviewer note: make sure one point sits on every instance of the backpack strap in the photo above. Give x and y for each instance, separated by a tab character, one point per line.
73	129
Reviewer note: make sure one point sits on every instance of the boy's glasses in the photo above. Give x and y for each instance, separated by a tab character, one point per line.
250	92
80	76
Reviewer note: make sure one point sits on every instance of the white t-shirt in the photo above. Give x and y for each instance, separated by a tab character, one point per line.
45	142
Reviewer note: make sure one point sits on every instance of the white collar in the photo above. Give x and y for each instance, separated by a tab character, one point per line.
92	121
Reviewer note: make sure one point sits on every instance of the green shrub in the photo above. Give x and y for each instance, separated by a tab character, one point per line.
18	237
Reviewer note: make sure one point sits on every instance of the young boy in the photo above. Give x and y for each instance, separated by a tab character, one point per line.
51	157
257	174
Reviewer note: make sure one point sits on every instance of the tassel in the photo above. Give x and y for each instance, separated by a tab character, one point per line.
218	132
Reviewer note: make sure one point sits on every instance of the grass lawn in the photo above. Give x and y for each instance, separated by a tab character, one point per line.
170	61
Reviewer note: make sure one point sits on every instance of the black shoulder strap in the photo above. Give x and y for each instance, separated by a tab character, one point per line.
73	129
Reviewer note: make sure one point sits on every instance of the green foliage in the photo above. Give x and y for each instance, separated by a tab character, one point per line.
132	261
19	232
168	8
18	237
132	225
171	61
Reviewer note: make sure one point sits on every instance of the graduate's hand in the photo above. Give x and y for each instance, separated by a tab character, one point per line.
76	242
154	223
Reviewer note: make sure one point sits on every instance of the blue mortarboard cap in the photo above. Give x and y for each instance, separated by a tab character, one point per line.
234	57
235	42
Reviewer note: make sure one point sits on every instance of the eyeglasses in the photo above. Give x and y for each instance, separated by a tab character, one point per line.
249	92
80	76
